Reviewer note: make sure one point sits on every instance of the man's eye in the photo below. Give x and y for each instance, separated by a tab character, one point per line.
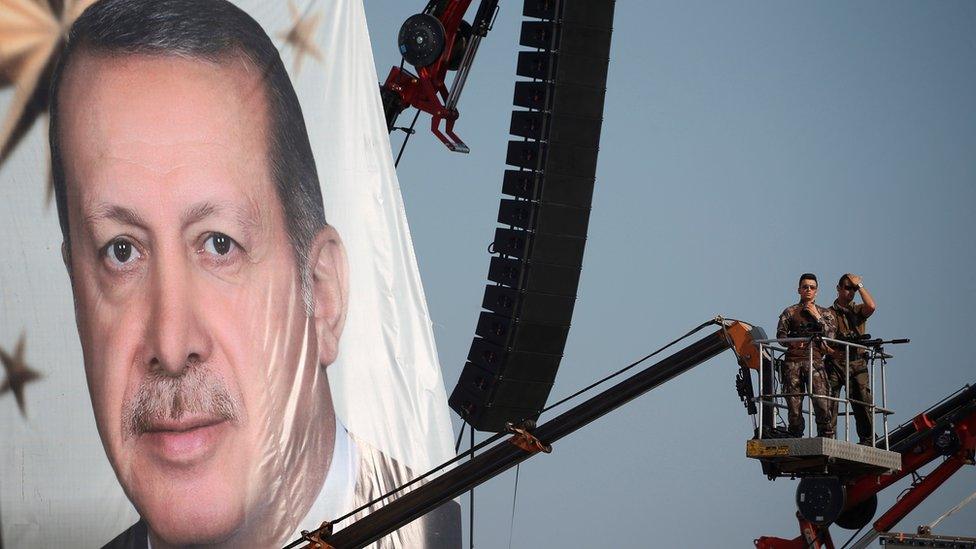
121	252
219	244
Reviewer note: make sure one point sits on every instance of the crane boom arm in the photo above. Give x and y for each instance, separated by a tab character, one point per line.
947	429
527	442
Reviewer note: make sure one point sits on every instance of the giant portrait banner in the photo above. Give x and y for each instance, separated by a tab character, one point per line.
212	327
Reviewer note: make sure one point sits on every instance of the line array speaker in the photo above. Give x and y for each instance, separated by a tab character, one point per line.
534	275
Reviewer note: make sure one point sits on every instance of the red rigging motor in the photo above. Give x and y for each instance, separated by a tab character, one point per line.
435	41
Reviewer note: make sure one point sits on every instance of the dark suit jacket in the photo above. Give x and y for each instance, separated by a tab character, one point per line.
136	537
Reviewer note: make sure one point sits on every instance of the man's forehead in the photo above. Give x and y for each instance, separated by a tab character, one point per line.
158	106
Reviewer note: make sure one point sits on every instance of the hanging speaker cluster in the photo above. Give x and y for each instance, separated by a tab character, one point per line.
538	253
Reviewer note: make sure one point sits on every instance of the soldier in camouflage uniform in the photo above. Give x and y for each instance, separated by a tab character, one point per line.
800	320
851	323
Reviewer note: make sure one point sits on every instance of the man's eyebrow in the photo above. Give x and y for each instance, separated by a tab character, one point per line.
198	212
117	213
245	217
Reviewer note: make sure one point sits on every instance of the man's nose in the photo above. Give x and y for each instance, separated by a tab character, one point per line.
176	336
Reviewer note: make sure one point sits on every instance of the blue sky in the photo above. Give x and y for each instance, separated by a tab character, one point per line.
743	144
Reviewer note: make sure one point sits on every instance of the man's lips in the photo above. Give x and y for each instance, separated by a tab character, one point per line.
185	441
181	425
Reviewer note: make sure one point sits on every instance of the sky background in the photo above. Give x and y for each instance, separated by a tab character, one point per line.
743	144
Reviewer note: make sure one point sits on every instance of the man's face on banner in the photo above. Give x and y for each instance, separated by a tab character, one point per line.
188	298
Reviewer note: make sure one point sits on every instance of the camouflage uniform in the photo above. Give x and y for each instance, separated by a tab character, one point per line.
793	323
851	320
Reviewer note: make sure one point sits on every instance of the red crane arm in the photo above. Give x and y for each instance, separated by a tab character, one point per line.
921	454
924	440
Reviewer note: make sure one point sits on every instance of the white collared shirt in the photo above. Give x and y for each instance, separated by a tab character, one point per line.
339	489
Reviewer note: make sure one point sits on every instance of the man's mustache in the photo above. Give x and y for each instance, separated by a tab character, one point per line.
198	391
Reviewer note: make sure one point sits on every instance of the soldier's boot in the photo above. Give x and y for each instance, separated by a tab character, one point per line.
825	429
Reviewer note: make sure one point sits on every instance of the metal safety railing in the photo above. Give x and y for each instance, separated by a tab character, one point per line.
774	352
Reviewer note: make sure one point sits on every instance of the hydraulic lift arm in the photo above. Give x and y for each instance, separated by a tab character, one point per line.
946	430
528	441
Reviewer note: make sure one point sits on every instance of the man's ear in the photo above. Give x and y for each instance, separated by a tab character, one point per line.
330	291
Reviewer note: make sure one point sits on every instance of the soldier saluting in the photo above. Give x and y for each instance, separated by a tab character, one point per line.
851	322
806	319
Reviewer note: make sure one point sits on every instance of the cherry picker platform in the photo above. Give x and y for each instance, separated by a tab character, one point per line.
819	455
783	456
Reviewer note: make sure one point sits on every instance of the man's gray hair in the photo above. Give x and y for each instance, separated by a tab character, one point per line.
212	30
